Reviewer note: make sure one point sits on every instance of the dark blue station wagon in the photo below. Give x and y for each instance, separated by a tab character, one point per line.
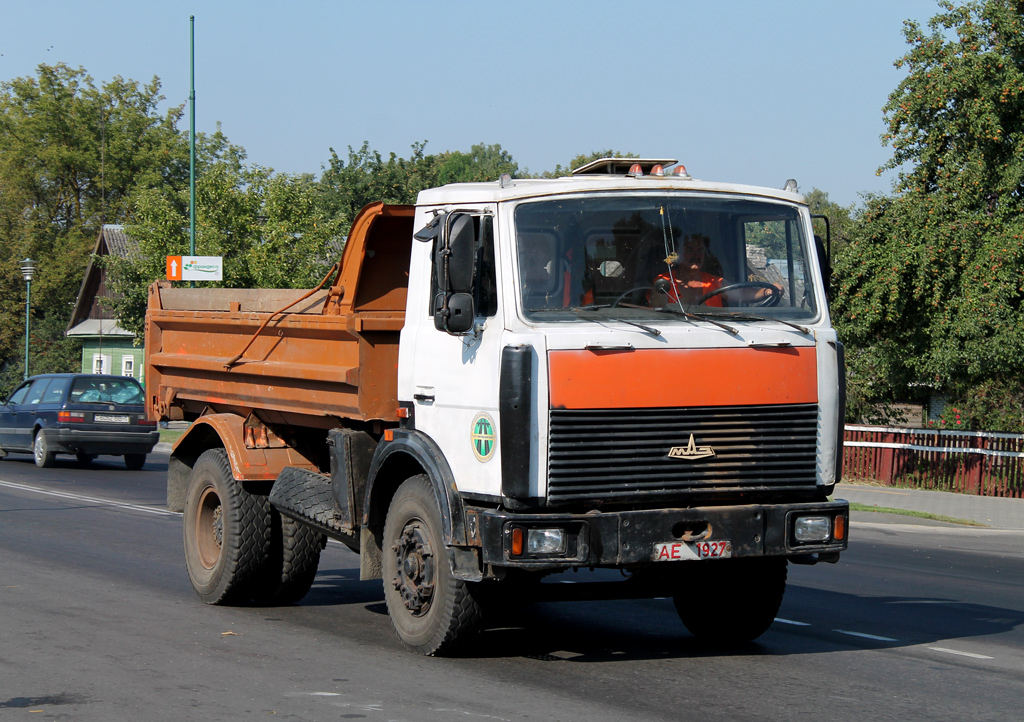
81	414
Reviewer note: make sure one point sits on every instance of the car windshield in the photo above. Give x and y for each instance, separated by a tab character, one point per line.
106	390
638	256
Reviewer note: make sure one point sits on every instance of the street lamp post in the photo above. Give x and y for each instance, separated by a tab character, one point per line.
28	269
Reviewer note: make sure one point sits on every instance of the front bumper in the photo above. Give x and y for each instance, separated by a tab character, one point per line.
74	441
628	538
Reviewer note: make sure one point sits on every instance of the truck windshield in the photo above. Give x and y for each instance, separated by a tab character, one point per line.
638	256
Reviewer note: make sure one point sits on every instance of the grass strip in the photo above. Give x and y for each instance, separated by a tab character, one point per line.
857	506
169	436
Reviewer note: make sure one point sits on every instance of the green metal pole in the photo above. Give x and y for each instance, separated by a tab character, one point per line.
192	140
28	295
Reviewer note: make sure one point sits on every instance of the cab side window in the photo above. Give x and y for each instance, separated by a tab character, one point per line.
485	288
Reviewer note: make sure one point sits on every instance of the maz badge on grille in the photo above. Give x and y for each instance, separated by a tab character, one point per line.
690	451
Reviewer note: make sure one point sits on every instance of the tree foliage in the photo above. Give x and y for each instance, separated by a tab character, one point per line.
932	288
269	229
71	152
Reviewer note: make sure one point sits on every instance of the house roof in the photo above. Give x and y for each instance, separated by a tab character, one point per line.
112	240
98	327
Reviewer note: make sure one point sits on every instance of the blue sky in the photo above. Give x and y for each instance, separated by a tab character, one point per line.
738	90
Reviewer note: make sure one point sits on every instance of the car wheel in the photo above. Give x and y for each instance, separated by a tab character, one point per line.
134	461
227	532
42	452
85	459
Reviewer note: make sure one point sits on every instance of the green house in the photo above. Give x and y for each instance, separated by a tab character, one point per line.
106	347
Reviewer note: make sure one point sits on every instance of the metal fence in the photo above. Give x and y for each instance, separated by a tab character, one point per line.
971	462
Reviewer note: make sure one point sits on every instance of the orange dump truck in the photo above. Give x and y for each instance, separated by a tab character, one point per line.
624	369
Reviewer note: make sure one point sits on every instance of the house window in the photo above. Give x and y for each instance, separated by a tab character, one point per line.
101	363
128	366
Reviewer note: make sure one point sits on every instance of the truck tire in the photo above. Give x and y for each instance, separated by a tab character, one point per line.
430	609
291	564
731	602
227	532
41	451
134	462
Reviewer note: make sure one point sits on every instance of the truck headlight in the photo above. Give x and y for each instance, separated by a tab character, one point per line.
545	541
808	529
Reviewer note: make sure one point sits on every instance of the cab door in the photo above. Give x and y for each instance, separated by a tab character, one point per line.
455	373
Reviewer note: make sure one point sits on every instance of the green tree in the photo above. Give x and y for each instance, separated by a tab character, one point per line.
482	163
269	229
70	154
931	289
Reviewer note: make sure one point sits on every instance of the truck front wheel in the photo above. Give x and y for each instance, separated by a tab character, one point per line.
731	601
227	532
430	609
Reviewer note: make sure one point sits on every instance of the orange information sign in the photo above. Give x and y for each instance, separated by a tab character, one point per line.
174	268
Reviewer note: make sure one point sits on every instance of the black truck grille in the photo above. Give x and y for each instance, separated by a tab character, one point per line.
623	455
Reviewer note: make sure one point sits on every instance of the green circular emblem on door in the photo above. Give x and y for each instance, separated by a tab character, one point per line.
483	437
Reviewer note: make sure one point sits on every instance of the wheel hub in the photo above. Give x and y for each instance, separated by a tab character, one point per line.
209	528
414	579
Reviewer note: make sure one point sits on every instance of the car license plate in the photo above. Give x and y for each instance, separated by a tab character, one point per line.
112	418
678	551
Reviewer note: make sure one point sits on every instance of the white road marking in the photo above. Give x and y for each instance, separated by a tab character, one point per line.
972	655
87	499
865	636
790	621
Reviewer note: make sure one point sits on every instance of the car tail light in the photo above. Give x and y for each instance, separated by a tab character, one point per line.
67	416
146	422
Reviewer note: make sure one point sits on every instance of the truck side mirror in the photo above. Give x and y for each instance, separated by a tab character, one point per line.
461	262
455	264
454	313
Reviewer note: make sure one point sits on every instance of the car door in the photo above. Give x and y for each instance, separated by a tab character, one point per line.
27	413
8	413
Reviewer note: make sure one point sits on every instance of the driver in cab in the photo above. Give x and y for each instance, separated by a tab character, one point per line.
688	282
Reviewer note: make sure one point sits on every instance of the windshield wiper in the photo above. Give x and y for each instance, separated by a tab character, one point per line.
755	317
595	306
695	317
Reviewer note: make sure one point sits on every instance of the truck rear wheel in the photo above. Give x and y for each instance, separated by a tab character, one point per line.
291	562
731	602
227	532
430	609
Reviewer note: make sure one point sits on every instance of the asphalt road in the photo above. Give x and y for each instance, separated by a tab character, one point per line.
98	622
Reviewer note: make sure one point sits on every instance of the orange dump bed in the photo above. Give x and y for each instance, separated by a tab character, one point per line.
332	355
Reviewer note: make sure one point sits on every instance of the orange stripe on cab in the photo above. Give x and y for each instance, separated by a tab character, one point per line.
652	378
